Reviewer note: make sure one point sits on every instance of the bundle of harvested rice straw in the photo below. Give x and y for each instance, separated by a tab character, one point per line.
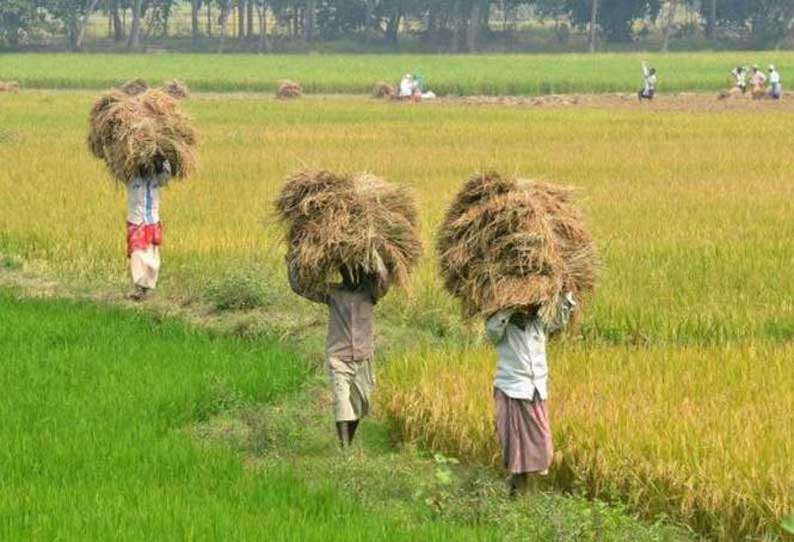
9	86
288	90
515	244
354	221
133	128
383	89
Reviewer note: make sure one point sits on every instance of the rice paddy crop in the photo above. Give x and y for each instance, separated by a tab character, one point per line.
356	74
692	211
700	433
95	443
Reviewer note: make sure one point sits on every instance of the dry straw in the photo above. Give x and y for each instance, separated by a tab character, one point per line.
134	87
336	221
383	89
288	90
132	131
515	244
10	86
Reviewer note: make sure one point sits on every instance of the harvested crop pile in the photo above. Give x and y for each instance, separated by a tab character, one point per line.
288	90
131	133
383	90
176	89
10	86
343	220
134	87
515	244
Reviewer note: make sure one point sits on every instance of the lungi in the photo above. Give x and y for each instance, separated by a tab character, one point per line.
351	385
524	433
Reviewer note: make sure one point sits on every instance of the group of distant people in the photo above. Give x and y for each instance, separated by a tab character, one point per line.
761	86
412	88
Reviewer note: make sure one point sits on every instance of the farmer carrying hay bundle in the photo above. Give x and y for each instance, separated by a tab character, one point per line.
144	140
516	254
360	229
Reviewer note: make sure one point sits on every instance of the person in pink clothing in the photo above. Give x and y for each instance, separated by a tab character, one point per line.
144	229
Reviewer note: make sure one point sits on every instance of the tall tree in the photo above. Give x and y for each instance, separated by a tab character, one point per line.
592	34
134	40
672	7
309	12
226	9
195	7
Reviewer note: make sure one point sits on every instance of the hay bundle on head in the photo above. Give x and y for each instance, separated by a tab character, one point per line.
383	90
358	222
134	87
515	244
288	90
9	86
132	133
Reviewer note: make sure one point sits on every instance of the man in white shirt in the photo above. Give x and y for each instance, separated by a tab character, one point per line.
521	389
649	83
775	88
144	230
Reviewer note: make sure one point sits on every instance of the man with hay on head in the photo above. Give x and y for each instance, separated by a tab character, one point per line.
144	140
362	230
517	255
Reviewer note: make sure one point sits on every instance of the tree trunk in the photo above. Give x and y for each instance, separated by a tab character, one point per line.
240	19
226	9
308	21
668	29
457	25
711	19
473	27
209	18
82	24
261	9
118	26
249	18
369	21
393	25
593	23
134	41
195	5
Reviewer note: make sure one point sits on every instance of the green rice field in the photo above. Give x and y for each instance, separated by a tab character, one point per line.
356	74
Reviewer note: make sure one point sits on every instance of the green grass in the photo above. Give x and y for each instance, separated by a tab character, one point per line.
445	74
120	427
96	405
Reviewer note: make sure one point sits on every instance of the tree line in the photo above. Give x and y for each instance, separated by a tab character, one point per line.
453	25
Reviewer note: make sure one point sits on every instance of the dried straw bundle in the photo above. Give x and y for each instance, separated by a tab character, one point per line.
134	87
10	86
176	89
383	90
288	90
515	244
131	132
353	221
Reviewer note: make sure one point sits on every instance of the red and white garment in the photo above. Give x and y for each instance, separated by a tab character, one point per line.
144	230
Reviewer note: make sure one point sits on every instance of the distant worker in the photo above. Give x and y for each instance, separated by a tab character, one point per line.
407	87
775	88
350	341
521	390
649	83
739	75
757	82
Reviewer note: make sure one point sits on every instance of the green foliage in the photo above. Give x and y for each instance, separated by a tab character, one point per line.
239	290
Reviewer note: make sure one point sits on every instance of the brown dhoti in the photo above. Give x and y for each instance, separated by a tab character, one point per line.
524	433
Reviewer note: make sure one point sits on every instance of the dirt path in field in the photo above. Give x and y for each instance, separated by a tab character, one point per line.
689	102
